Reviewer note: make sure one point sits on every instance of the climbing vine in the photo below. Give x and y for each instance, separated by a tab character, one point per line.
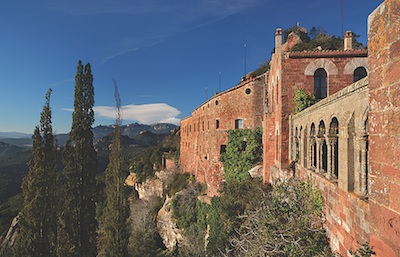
302	100
244	149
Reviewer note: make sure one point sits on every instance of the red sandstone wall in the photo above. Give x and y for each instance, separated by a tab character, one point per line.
170	164
384	130
201	140
347	215
287	73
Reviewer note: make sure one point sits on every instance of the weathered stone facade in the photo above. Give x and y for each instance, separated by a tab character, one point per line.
349	142
384	128
204	133
293	70
328	142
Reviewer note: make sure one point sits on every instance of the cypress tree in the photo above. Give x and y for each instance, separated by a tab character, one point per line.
78	216
38	222
116	211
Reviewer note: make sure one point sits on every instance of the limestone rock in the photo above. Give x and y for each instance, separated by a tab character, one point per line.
166	225
11	235
256	172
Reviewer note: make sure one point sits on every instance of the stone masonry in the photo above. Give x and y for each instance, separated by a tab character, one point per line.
204	133
348	143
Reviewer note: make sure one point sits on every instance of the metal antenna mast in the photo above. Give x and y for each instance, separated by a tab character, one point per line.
244	61
341	12
219	88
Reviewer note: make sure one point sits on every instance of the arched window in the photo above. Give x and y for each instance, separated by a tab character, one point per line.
334	151
359	73
320	84
322	155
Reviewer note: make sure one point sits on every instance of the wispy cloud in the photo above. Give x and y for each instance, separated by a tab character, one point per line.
149	21
145	7
145	113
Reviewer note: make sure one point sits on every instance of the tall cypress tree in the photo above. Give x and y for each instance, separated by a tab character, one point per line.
116	211
38	221
78	223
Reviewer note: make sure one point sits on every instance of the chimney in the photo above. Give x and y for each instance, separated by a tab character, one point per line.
278	40
348	40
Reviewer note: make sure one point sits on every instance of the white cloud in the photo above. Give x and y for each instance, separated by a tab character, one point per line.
145	113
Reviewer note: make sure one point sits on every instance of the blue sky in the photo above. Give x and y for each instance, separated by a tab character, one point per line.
166	55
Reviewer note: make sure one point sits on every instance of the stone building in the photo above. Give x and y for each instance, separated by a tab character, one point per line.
204	133
347	142
319	73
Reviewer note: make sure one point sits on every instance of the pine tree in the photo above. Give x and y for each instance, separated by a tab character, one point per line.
78	216
38	223
116	211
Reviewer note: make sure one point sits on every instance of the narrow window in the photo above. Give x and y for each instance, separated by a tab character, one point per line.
217	124
359	73
222	149
320	84
238	124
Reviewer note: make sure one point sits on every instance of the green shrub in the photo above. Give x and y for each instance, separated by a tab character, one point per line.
302	100
288	221
365	250
244	149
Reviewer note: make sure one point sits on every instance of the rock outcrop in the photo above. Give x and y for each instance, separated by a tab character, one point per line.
166	225
11	235
154	187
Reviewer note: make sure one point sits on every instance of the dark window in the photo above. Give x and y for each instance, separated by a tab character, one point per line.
238	123
359	73
320	84
222	149
216	124
216	102
248	91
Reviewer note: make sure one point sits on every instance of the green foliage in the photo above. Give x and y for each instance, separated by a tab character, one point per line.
365	250
262	68
38	217
318	38
115	232
288	221
8	210
178	182
302	100
144	239
244	149
115	220
145	166
184	205
297	30
78	217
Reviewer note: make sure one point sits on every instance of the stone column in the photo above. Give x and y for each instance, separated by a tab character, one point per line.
311	153
328	174
298	147
332	141
319	141
362	172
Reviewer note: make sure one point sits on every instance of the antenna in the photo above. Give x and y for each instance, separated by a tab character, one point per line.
219	82
341	12
244	61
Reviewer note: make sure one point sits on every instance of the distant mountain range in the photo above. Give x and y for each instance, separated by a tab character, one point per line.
16	135
130	130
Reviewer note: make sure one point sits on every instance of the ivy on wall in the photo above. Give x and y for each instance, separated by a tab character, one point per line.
244	149
302	100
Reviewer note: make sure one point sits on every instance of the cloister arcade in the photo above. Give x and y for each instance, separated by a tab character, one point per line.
330	138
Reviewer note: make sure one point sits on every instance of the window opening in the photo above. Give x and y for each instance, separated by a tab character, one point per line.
320	84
